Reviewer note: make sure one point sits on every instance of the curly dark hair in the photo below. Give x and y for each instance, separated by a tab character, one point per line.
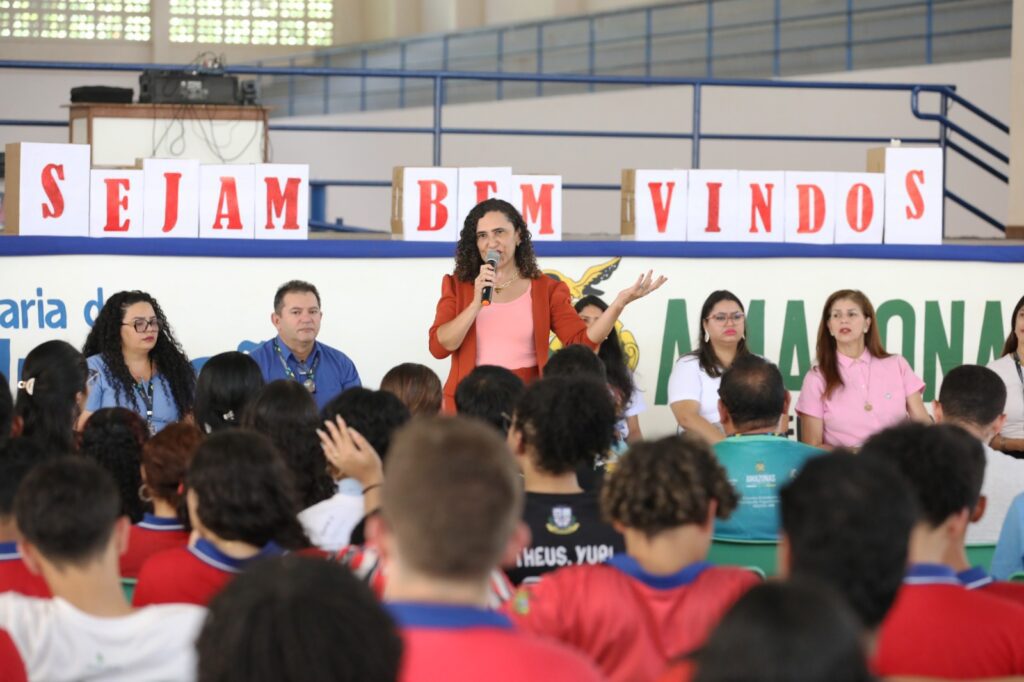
114	437
567	421
105	340
612	354
286	413
48	414
666	483
467	255
244	490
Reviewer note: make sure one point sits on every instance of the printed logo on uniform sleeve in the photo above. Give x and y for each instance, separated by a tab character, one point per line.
562	521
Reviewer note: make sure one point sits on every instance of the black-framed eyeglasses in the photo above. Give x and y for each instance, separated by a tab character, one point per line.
140	325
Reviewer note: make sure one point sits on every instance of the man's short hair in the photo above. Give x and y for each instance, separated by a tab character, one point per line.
297	618
972	394
295	286
752	391
576	360
848	520
489	393
67	508
944	464
451	497
374	414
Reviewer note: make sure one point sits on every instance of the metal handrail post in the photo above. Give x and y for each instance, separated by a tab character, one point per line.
709	42
849	35
540	58
401	81
362	82
943	107
929	24
438	103
648	44
327	86
501	63
777	40
291	89
695	149
591	57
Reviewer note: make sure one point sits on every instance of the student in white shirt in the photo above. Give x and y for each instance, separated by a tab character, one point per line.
68	513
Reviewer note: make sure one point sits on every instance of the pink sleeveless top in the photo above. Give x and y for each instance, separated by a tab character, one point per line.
504	334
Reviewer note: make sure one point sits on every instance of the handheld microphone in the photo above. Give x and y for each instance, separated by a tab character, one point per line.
488	291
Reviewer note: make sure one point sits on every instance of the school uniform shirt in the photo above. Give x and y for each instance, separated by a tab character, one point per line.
329	523
976	578
334	371
635	407
1004	480
57	642
104	394
1009	555
12	669
151	535
630	622
191	575
469	644
1006	368
565	529
689	382
939	628
883	384
15	576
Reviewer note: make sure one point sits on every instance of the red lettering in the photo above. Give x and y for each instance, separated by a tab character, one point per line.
227	206
115	203
860	207
661	207
808	195
915	195
761	206
537	209
286	202
484	189
714	199
432	193
53	172
171	198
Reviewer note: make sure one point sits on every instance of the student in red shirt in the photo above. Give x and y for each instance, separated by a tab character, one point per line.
241	504
17	457
634	613
450	513
937	627
12	668
165	458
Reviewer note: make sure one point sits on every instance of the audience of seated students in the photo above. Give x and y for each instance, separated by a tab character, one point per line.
559	424
937	627
489	393
51	395
417	386
242	506
450	514
752	402
68	514
165	458
661	599
974	398
17	458
113	437
286	413
6	409
799	630
226	384
297	619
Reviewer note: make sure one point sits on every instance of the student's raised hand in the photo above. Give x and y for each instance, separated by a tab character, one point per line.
644	285
350	454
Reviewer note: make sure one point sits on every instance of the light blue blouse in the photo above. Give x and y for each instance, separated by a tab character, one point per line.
104	394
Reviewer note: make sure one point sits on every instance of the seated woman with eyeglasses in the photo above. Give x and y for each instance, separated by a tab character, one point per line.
140	364
693	384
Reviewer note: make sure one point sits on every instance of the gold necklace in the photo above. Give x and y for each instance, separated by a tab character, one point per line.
499	287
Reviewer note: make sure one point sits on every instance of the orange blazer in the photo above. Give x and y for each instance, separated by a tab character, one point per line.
552	311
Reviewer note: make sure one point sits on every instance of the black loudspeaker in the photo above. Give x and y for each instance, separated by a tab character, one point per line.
101	94
249	93
187	87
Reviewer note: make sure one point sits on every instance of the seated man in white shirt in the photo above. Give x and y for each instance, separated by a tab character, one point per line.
68	513
973	398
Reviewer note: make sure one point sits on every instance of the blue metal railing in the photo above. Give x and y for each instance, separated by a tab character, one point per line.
945	126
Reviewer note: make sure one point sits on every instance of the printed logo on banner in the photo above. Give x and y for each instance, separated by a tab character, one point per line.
539	200
712	214
762	196
860	208
171	198
116	203
810	208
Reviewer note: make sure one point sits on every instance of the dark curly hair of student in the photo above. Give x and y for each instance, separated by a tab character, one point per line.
667	483
165	459
467	254
612	354
226	384
489	393
171	362
244	491
56	373
297	619
114	437
705	352
566	421
374	414
286	413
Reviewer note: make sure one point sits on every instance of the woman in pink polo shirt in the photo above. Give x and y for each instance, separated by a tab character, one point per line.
856	389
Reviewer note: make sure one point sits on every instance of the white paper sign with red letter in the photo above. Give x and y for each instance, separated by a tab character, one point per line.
913	195
859	207
116	203
227	202
539	200
480	184
712	214
810	208
282	201
171	205
660	198
429	204
53	189
761	206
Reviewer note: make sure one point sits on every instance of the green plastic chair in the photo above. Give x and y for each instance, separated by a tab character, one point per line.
1017	577
981	555
128	586
758	556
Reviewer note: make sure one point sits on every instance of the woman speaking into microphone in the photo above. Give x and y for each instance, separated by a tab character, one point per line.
502	314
